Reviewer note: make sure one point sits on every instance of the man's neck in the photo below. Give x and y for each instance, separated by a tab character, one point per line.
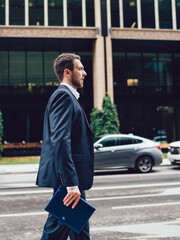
69	83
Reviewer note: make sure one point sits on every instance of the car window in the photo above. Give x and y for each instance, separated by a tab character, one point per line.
137	140
108	142
125	141
96	139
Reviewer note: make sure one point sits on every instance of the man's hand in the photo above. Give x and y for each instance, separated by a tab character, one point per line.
73	195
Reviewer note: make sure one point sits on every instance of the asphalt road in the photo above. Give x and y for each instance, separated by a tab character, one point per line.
129	206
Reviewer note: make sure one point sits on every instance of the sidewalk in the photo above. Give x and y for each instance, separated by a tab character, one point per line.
33	168
19	168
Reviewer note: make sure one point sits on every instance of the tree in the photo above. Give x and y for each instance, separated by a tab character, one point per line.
105	121
1	132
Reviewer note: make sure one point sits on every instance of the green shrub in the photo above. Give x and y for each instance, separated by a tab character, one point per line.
105	121
1	132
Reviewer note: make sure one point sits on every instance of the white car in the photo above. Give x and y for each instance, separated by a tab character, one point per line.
174	153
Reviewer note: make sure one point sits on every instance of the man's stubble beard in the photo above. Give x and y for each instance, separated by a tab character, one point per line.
76	83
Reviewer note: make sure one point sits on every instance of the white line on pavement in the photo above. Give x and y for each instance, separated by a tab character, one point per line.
165	192
25	192
135	186
147	205
38	191
154	230
22	214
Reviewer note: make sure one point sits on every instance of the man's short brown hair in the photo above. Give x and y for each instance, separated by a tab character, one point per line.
63	61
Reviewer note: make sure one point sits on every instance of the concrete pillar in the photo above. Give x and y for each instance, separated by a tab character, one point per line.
98	60
109	66
109	57
98	72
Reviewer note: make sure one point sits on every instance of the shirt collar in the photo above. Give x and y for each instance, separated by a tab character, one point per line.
74	92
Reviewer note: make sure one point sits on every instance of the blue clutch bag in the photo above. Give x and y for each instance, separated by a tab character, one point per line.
75	218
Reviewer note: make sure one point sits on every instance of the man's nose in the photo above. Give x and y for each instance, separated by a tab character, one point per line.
85	73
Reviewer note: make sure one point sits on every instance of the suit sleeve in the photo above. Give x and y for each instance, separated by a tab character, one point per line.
60	117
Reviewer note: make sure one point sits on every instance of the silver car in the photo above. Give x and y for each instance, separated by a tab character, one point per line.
117	151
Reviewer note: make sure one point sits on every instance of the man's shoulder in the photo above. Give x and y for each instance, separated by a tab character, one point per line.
60	92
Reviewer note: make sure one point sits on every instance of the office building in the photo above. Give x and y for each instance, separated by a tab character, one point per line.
130	49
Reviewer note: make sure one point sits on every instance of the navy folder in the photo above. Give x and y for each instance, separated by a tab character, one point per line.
75	218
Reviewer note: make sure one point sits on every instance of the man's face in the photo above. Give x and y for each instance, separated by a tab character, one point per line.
78	74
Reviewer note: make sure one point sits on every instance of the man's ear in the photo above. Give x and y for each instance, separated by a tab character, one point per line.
67	71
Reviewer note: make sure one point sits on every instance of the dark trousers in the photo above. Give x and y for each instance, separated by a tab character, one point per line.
55	231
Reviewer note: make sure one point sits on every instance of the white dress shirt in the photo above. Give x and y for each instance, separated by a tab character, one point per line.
77	95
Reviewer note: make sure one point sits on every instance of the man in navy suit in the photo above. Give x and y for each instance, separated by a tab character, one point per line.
67	155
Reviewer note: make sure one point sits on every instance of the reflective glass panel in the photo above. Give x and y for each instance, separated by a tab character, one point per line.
178	13
16	12
176	69
2	12
130	13
165	14
74	8
3	68
115	13
134	70
49	75
147	13
35	68
90	21
119	69
165	69
17	68
36	12
55	12
150	74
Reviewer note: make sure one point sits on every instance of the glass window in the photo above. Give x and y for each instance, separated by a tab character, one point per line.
2	12
165	14
36	12
35	67
108	142
147	13
178	13
165	69
130	13
3	68
17	68
137	141
74	8
16	12
115	13
55	12
49	75
150	76
176	69
134	69
90	21
119	69
126	141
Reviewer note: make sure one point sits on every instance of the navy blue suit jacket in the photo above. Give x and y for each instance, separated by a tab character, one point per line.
67	153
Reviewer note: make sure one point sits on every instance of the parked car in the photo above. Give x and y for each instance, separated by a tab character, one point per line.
174	153
116	151
163	141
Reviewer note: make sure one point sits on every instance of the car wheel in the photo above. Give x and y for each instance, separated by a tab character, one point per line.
144	164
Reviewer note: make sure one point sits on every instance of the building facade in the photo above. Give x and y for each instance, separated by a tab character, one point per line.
130	49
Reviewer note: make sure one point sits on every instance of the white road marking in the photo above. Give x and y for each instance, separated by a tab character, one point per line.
147	205
148	230
25	192
147	185
166	192
38	191
22	214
